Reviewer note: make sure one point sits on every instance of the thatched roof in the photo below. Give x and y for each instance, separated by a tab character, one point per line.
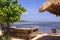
52	6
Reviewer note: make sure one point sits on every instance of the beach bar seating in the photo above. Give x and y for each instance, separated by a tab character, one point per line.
26	33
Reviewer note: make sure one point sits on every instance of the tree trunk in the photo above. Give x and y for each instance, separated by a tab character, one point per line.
8	26
2	27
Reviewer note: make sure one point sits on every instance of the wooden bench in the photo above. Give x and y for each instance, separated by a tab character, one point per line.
26	33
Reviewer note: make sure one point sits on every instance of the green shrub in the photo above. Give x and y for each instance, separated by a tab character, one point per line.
5	38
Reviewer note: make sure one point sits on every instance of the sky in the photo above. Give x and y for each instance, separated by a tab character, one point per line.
33	14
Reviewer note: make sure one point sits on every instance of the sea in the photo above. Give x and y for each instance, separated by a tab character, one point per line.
43	27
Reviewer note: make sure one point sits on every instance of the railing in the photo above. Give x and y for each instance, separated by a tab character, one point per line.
26	33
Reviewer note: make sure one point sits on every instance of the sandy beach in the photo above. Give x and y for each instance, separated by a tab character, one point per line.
42	36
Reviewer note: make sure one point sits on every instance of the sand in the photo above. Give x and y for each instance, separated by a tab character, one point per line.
42	36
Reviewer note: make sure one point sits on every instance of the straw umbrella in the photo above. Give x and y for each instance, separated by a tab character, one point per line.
52	6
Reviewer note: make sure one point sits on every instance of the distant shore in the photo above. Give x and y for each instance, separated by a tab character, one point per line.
33	22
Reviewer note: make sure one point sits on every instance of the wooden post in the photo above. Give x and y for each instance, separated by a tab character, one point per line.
54	31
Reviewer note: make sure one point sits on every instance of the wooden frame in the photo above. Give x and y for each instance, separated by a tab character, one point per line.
26	33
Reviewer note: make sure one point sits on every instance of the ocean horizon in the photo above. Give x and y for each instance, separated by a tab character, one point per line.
44	27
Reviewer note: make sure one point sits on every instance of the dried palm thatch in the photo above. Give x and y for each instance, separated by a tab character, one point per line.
52	6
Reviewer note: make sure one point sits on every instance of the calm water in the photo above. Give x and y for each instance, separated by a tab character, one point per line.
44	28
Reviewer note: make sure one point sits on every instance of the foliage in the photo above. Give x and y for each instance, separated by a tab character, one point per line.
10	11
5	37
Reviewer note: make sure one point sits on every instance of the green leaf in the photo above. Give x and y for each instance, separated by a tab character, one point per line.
10	11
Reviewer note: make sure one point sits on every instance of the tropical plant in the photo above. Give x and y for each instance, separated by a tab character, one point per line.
10	11
4	37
